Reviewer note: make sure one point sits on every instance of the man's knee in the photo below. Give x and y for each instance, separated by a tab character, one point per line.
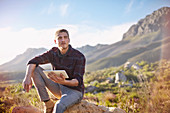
38	69
37	77
60	107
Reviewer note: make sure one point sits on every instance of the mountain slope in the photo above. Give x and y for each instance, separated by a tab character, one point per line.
156	54
20	61
149	53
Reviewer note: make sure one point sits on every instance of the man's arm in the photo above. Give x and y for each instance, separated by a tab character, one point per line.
27	82
73	82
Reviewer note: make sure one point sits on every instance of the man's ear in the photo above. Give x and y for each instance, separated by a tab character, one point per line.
69	40
55	41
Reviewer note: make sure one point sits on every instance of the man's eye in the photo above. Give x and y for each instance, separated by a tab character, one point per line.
65	37
59	38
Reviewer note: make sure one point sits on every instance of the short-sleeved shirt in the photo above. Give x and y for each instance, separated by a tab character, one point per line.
73	62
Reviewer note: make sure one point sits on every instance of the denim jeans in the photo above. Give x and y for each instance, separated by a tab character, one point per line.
68	96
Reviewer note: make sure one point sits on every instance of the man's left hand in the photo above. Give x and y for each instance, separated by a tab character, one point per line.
57	78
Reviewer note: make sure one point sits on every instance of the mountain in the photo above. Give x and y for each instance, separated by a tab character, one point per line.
147	40
86	49
20	61
158	20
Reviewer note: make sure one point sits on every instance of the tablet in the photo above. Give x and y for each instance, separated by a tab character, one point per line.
57	72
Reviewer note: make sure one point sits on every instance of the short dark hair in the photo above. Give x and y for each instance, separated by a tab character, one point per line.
61	30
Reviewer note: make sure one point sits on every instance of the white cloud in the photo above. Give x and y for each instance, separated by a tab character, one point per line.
63	9
129	6
90	35
49	10
16	42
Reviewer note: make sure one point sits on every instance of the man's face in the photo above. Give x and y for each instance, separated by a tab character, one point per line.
63	40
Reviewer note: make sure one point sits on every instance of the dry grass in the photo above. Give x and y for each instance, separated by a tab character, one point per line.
159	98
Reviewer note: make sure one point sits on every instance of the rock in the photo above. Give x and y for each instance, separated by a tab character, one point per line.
128	65
116	110
120	77
90	89
136	66
82	107
26	109
109	79
86	107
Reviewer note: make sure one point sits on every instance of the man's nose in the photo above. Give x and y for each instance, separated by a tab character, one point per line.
62	39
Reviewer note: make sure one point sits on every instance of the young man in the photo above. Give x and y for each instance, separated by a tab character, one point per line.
63	57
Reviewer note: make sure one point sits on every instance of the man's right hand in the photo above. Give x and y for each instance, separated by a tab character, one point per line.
27	83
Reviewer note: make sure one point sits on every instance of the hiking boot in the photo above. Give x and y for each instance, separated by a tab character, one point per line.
49	105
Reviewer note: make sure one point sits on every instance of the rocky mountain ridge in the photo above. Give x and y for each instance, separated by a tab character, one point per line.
151	23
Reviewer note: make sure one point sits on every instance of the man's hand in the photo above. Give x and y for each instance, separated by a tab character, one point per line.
57	78
27	83
60	79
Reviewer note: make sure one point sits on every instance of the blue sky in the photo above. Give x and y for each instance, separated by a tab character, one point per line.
32	23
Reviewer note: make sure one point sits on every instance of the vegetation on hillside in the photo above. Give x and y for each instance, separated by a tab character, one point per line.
151	94
122	95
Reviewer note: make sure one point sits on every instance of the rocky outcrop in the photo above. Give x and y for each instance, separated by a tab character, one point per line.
130	64
26	109
120	77
86	107
83	107
158	20
90	89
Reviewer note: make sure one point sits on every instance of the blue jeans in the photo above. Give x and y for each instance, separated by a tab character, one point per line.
68	96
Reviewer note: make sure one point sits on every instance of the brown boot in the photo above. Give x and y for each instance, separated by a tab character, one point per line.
49	105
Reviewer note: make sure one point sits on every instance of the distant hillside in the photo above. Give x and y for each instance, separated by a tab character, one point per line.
20	61
149	53
87	49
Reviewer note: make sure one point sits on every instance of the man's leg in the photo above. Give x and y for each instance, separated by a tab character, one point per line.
69	98
41	82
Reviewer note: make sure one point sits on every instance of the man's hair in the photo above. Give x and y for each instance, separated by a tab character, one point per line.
61	30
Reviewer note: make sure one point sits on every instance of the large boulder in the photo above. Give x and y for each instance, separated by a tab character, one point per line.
25	109
86	107
82	107
90	89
